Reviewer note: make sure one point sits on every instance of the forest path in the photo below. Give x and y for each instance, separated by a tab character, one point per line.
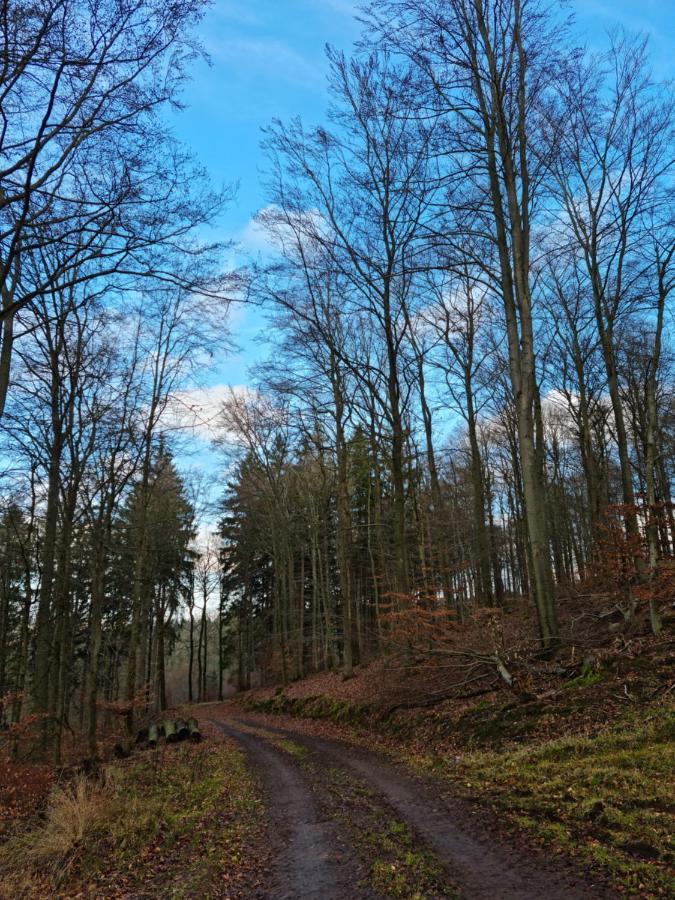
310	859
334	807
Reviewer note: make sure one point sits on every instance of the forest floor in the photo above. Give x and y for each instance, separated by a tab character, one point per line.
500	788
357	813
278	807
400	782
183	820
350	823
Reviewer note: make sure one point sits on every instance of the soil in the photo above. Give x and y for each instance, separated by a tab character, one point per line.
310	860
320	853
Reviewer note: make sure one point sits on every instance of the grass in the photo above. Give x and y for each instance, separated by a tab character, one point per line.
74	813
319	706
399	869
607	797
281	743
582	775
398	865
291	747
141	824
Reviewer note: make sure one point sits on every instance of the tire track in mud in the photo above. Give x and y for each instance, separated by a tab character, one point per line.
311	861
479	862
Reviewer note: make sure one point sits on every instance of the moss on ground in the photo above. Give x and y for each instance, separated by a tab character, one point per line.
604	792
319	706
291	747
607	797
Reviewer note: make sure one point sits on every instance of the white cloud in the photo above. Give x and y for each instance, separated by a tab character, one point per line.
268	232
206	540
267	57
254	239
199	410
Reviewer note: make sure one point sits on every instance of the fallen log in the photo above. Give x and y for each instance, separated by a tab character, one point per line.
182	730
170	731
195	733
153	735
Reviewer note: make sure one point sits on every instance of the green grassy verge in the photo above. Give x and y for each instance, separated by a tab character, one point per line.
605	792
319	706
173	821
607	797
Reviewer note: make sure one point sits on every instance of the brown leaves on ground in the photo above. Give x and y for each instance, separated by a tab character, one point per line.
177	820
607	655
577	752
24	790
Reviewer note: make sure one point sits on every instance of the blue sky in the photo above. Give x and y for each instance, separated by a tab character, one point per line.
267	60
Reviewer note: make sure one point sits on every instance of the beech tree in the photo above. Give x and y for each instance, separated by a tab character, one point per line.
486	65
481	366
467	404
615	149
380	159
87	167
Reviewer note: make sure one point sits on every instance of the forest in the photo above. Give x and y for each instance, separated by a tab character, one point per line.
456	456
469	402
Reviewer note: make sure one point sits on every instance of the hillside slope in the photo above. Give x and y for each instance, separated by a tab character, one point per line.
578	754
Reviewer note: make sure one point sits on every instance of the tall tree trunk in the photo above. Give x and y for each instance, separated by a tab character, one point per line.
8	292
397	447
221	637
137	631
191	645
608	355
651	453
95	636
43	622
510	203
478	494
344	525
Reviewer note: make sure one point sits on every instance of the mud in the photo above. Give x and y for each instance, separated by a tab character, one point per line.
314	858
310	860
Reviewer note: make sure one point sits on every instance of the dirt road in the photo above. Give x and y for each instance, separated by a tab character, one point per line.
349	825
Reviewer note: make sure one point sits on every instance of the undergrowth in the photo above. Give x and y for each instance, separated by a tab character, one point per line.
607	797
140	823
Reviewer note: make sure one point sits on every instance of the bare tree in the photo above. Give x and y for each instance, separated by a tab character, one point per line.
87	167
615	147
487	66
